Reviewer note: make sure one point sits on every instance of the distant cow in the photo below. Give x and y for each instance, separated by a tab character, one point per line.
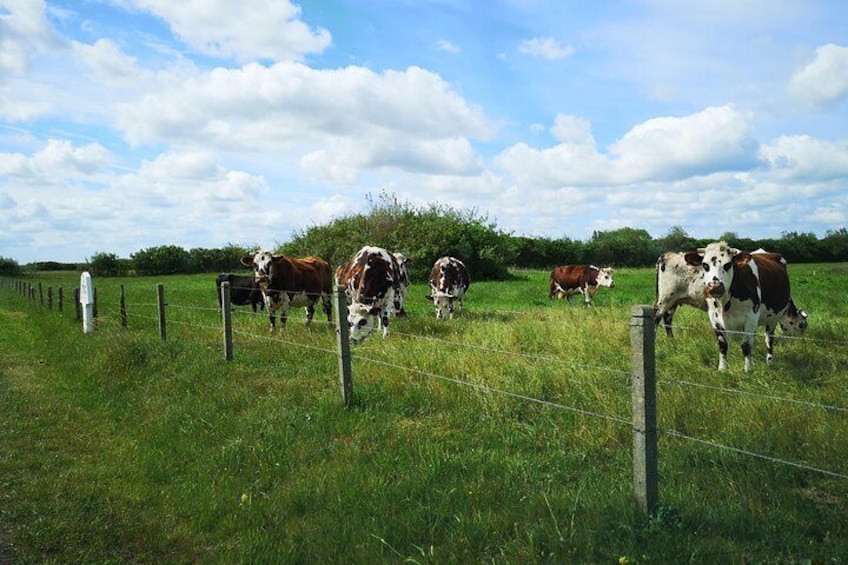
744	291
403	274
569	280
287	282
243	290
449	282
680	281
372	282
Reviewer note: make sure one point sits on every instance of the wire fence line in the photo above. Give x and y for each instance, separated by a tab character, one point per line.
500	391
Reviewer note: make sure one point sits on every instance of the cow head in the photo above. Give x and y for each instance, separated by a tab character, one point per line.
261	263
362	321
717	262
443	303
605	277
794	321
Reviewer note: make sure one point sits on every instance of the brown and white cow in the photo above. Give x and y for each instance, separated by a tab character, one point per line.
286	282
403	274
680	281
449	282
569	280
372	282
744	291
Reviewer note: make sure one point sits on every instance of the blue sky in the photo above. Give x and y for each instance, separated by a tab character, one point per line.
127	124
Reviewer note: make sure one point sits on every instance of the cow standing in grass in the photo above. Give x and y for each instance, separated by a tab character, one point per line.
449	282
744	291
568	280
372	281
680	281
243	290
287	282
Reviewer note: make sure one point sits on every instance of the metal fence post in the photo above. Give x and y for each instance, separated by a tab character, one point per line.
644	381
343	343
227	320
160	293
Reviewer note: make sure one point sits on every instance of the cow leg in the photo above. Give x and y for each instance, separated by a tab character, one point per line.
327	304
748	341
310	312
770	343
384	321
721	338
667	318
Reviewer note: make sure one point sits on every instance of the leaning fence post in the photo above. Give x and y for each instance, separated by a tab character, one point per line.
40	294
644	381
343	342
160	292
226	317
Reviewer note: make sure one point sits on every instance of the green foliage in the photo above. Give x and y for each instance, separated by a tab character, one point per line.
422	234
104	264
162	260
216	260
624	247
9	267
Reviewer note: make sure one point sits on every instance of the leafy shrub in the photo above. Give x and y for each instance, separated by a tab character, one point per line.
162	260
9	267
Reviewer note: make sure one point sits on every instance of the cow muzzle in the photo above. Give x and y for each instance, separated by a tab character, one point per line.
714	289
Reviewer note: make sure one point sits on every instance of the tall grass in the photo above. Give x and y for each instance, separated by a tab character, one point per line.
499	436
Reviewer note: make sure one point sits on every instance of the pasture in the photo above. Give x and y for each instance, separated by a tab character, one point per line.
500	436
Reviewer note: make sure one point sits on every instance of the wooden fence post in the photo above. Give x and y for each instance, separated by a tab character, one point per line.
644	381
160	293
49	297
343	343
61	298
123	305
40	294
226	317
77	303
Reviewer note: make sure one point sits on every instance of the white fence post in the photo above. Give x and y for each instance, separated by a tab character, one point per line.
86	299
644	382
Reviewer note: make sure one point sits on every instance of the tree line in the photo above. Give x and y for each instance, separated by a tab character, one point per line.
425	233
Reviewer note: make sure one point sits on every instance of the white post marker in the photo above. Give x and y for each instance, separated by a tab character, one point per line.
87	302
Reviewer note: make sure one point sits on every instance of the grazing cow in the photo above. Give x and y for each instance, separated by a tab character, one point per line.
287	282
372	282
744	291
680	281
568	280
243	290
449	282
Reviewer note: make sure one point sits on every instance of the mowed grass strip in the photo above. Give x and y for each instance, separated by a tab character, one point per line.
120	447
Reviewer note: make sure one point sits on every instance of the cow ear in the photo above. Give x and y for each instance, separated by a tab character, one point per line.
247	260
694	258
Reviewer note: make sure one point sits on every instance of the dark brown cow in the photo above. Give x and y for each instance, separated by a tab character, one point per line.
373	285
568	280
744	291
243	290
449	282
287	282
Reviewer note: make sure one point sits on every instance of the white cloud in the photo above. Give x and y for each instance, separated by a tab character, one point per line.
825	79
24	32
666	148
447	46
58	159
109	64
807	158
546	47
260	29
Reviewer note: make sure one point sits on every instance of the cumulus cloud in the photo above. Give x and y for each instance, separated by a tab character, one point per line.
667	148
109	64
58	159
263	29
290	105
24	32
825	79
545	47
804	157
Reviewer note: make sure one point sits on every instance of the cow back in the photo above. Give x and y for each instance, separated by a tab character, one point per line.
310	275
773	280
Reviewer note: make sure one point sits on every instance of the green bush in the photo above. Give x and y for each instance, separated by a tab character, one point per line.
104	264
9	267
162	260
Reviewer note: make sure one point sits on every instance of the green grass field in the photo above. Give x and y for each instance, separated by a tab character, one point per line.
119	447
